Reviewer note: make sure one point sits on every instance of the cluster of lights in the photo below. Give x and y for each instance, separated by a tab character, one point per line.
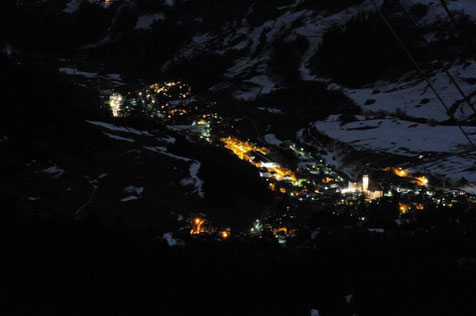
243	149
403	207
115	102
159	99
421	181
197	226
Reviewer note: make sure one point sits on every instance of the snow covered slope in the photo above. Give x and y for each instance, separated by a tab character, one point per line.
417	100
392	135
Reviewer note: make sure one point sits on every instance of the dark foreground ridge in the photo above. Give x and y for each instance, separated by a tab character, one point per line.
56	267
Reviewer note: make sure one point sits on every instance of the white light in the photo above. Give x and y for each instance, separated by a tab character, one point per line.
269	164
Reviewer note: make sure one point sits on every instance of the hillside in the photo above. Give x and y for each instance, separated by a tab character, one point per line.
285	65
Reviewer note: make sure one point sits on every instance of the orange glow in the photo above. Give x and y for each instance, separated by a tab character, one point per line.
403	208
272	186
280	229
241	148
398	171
282	190
420	207
197	226
172	112
421	181
224	234
327	180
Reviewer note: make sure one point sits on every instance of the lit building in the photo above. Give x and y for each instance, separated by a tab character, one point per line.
365	183
115	102
370	191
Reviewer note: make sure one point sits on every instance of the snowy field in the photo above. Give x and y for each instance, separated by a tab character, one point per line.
392	135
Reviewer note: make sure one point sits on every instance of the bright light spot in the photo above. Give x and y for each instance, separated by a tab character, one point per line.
398	171
197	226
421	181
115	102
403	208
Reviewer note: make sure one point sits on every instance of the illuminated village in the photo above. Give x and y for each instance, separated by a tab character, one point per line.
304	180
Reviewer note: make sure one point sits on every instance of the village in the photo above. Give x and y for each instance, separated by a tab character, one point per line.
300	179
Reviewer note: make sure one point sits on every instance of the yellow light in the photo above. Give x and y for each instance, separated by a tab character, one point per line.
403	208
242	150
197	226
224	234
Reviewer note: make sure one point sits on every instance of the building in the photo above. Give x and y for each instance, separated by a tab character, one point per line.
370	190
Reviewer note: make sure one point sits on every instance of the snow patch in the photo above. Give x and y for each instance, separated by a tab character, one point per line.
145	22
270	110
72	6
129	198
75	72
134	190
130	140
271	139
168	140
469	188
54	172
376	230
171	241
115	128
